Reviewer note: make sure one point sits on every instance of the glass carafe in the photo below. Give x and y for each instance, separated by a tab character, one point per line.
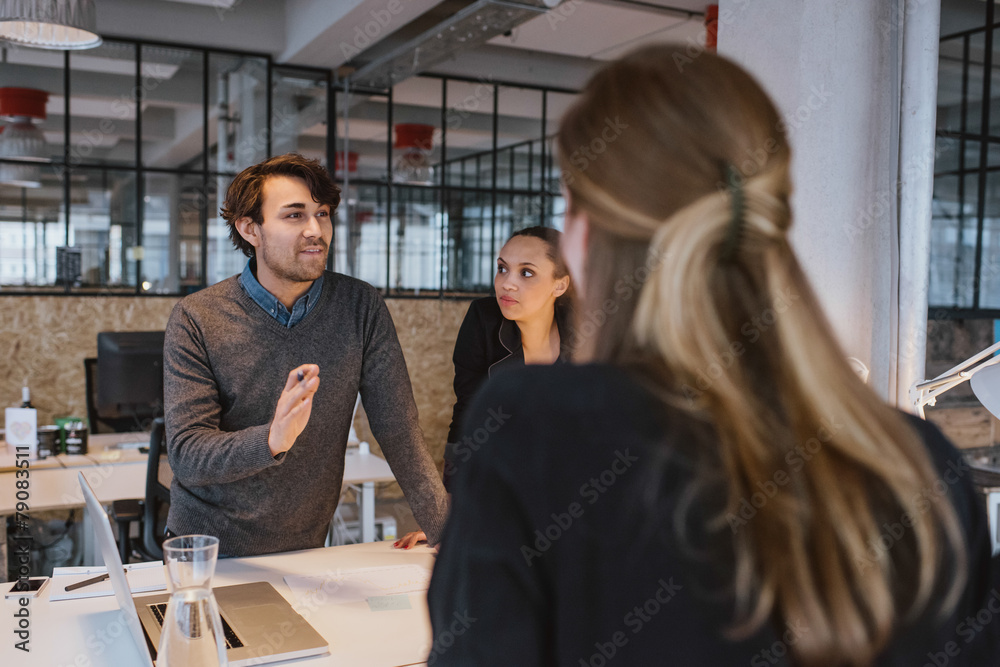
192	628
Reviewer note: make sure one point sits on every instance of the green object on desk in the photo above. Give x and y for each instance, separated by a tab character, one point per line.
389	602
61	422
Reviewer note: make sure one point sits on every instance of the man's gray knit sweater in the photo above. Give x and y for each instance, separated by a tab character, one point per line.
226	362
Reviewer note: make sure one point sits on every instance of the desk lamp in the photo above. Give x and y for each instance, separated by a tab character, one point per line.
986	385
982	371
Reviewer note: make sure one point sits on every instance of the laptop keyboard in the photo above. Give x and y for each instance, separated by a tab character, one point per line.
232	641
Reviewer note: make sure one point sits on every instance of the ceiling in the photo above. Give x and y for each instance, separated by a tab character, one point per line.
558	49
561	48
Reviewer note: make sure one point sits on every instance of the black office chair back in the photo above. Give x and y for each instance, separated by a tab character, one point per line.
158	478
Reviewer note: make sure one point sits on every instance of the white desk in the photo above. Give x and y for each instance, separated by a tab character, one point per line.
118	474
363	468
115	475
58	488
98	452
88	631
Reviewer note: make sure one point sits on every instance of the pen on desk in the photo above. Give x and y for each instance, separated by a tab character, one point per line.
86	582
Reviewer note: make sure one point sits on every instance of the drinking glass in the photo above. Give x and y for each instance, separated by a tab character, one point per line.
192	628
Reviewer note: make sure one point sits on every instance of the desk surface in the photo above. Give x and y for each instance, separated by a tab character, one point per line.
363	466
89	631
58	488
117	474
99	450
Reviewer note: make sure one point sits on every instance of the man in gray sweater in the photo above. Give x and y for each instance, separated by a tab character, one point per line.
255	441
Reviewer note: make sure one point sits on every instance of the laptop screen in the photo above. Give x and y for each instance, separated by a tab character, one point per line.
116	572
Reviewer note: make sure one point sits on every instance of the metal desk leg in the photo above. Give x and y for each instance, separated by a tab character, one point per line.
366	505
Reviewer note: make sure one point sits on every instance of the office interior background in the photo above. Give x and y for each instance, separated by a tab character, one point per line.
142	135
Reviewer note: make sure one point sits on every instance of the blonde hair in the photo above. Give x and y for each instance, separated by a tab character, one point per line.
709	295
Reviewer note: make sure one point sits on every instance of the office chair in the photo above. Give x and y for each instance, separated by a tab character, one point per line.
151	513
96	423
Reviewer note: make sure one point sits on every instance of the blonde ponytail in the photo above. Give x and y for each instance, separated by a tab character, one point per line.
737	340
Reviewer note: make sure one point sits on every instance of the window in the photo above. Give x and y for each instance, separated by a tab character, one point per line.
141	141
965	227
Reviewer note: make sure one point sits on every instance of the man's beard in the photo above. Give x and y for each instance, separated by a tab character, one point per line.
291	269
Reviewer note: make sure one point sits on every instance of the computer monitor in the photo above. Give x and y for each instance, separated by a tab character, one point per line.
130	376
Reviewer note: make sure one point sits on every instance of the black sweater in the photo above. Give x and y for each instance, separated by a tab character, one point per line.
487	343
555	553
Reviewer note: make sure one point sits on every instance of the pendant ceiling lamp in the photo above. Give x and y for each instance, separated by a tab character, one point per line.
20	175
21	139
414	142
49	24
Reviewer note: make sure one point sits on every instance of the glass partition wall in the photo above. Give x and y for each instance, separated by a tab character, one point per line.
140	140
438	172
965	229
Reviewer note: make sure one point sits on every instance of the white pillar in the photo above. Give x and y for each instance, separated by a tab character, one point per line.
833	69
921	32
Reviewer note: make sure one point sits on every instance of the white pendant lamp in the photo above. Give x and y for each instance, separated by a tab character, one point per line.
49	24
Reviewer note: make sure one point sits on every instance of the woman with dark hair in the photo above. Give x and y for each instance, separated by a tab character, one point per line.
526	322
695	496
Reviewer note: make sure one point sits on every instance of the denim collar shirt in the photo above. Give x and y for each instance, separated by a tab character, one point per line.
271	304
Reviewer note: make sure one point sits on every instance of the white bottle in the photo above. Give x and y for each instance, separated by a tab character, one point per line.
26	398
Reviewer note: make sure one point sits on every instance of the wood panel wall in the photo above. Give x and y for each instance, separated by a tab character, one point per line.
44	340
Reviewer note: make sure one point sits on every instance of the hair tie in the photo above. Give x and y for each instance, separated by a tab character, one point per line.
735	229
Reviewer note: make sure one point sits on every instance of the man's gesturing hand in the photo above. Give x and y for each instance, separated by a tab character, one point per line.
294	407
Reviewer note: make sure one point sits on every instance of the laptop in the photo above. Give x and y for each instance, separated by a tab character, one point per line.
251	613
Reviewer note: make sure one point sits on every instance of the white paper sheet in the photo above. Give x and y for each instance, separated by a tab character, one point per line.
347	586
142	578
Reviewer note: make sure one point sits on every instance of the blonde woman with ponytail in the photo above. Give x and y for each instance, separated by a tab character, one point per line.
714	485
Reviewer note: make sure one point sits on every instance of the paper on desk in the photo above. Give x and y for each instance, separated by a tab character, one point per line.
357	585
142	578
389	603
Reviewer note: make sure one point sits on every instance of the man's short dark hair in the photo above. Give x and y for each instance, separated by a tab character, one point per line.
246	193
